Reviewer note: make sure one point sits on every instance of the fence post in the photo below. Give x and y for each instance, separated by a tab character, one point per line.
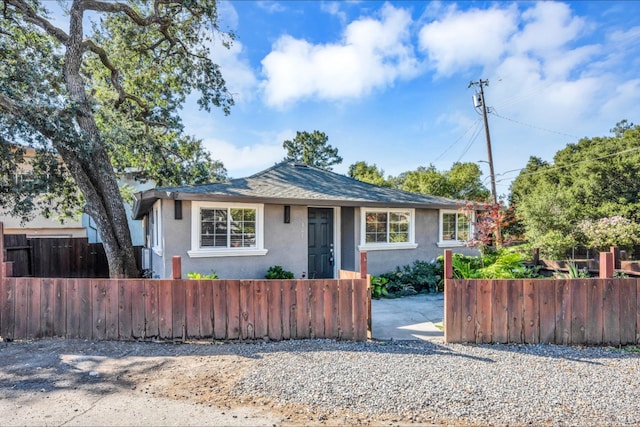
616	257
448	265
363	265
536	256
176	264
606	265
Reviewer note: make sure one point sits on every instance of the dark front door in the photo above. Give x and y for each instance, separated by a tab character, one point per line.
320	243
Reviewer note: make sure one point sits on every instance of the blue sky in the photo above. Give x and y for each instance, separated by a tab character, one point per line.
387	81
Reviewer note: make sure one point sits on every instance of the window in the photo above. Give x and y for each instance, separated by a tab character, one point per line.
455	228
156	228
224	229
387	229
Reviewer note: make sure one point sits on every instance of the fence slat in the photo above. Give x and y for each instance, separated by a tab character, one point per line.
317	308
178	304
345	309
637	311
515	310
152	315
60	308
453	316
33	324
303	320
578	293
531	313
483	312
261	309
165	309
220	304
499	311
8	308
247	312
233	309
611	313
628	310
277	312
469	318
594	312
47	308
289	309
563	313
548	319
361	299
21	309
331	293
205	289
192	308
99	302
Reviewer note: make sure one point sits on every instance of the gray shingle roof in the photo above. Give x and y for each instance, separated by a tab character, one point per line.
292	183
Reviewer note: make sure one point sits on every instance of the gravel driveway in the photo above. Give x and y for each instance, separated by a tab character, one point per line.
317	382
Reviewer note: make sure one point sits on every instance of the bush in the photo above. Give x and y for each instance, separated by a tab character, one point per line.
198	276
614	231
277	272
504	264
420	277
554	244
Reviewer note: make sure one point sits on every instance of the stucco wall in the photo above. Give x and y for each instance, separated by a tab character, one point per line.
286	245
427	230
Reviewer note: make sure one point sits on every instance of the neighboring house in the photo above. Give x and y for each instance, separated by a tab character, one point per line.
309	221
82	226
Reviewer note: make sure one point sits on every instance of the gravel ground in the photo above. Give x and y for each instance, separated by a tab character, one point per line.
330	382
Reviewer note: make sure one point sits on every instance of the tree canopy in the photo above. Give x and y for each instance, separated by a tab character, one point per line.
592	179
462	182
94	102
312	149
368	173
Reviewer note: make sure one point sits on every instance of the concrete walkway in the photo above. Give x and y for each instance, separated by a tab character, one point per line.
408	318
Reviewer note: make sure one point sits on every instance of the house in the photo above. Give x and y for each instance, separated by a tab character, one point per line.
81	226
309	221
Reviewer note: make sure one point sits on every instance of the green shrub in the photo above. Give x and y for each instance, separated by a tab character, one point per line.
554	244
420	277
378	287
198	276
504	264
277	272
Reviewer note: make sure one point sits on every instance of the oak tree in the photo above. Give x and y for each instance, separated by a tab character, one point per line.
91	102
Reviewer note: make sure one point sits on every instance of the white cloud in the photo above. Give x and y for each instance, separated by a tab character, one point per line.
236	70
241	161
372	54
464	39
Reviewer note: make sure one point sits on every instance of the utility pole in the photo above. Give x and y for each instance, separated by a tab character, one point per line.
494	196
481	83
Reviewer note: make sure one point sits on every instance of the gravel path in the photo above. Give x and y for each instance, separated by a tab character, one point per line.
330	382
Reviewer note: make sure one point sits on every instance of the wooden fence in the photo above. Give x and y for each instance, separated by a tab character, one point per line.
602	311
119	309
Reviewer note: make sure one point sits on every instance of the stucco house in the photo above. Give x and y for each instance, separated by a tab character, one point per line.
309	221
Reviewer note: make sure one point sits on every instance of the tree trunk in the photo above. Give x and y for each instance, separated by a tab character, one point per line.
89	164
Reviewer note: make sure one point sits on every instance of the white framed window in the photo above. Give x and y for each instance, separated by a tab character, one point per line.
156	228
226	229
383	229
455	228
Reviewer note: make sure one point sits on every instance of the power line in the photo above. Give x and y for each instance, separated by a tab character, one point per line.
493	111
474	124
553	168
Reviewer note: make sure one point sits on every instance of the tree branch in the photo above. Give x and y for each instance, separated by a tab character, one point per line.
30	15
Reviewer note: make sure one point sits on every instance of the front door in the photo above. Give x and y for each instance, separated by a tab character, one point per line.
321	255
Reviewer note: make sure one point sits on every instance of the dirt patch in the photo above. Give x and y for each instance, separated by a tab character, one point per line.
202	374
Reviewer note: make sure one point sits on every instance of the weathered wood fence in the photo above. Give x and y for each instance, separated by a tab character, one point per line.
599	311
99	309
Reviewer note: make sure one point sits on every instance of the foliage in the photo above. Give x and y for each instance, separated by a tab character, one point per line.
606	232
419	277
312	149
573	272
368	173
591	179
198	276
277	272
93	102
489	219
462	182
503	264
379	287
554	244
